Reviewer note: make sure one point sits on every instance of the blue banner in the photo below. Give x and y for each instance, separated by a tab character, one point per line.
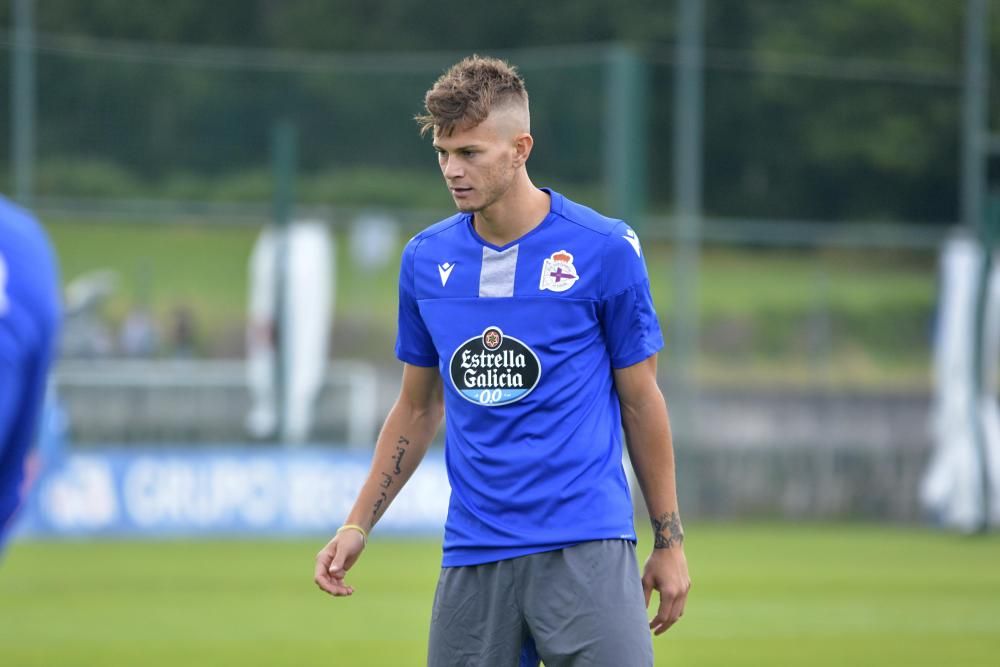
221	491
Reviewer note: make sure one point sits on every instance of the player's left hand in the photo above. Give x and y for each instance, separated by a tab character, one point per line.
666	571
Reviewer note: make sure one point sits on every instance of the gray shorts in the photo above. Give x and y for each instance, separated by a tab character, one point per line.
582	605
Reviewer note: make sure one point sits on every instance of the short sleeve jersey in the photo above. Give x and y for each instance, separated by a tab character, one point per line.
30	315
526	337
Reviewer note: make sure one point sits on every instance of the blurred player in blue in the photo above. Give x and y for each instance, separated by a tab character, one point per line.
30	315
527	320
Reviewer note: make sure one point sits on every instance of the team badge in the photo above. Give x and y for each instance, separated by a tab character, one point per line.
558	272
492	369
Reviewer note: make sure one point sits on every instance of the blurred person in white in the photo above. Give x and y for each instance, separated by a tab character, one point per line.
30	318
289	329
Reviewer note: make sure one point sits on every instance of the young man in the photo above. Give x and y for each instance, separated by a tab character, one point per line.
529	317
29	321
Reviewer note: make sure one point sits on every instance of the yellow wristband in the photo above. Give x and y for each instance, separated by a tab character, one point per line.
354	526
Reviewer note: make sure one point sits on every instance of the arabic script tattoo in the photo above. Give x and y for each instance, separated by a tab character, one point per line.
375	509
387	479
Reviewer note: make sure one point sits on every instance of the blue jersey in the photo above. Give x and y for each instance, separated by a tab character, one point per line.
526	336
29	321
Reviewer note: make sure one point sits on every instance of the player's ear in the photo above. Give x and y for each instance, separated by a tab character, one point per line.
522	148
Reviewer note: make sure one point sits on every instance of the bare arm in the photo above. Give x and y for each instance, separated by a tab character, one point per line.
647	435
408	430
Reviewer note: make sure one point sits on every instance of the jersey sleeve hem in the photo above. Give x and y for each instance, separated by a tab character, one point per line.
645	352
416	359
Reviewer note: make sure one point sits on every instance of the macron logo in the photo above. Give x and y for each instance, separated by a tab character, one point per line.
445	271
633	241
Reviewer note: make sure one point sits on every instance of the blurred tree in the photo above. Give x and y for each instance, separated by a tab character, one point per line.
876	138
186	21
814	109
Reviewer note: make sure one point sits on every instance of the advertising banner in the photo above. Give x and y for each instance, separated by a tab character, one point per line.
219	492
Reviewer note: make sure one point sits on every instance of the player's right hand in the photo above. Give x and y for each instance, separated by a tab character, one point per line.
335	559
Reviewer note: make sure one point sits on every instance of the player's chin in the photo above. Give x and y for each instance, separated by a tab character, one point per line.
467	207
470	202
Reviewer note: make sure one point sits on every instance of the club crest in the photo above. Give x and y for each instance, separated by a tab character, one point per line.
558	272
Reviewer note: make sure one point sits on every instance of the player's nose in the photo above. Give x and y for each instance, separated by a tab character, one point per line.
452	170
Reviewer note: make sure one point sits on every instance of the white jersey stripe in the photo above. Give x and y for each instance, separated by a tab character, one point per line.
496	278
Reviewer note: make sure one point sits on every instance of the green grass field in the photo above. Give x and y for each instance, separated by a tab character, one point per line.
764	594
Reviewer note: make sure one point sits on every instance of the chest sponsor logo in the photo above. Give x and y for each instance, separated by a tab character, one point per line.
493	369
558	272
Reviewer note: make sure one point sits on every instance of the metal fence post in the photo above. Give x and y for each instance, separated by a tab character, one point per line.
284	161
626	160
688	109
22	101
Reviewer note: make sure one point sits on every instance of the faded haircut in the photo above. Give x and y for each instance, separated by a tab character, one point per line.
466	94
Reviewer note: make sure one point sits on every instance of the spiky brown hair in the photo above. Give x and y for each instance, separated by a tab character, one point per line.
465	94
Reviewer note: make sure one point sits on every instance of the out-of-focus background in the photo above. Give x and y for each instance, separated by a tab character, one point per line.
228	186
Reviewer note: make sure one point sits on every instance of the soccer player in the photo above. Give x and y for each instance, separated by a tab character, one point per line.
30	315
529	317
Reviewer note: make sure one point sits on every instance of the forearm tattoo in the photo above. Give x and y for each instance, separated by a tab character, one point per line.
388	478
667	531
376	508
398	458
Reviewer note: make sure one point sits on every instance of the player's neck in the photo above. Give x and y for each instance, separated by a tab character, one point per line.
520	210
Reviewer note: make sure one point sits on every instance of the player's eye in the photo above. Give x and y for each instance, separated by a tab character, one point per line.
468	153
